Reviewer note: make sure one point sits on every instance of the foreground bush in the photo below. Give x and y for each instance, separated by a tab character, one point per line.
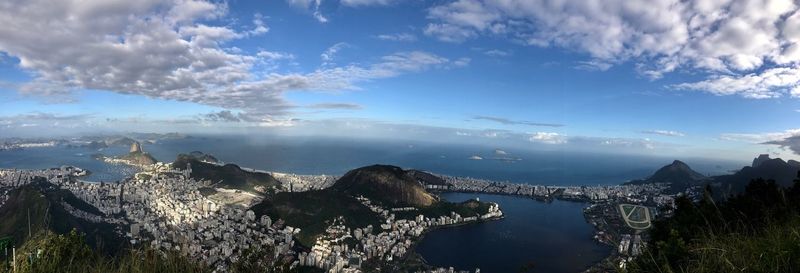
756	231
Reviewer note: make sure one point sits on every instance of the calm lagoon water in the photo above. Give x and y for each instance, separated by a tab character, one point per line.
553	237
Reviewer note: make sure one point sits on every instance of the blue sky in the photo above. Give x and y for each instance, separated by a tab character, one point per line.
708	79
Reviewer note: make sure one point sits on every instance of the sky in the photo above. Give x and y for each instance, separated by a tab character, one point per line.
714	79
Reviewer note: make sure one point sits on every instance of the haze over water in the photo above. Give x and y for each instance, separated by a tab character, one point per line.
337	156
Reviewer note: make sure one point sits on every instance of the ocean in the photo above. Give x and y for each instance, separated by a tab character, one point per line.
337	156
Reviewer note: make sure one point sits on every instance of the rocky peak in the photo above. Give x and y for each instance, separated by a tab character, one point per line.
760	159
136	147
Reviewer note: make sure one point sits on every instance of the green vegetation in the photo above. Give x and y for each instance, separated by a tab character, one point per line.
388	185
41	203
68	253
465	209
756	231
140	158
229	176
314	211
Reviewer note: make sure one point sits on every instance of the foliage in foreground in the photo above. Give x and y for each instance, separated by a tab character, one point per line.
69	253
757	231
50	252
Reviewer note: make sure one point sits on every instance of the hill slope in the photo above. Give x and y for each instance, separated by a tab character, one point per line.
230	175
385	184
44	203
139	158
313	211
678	174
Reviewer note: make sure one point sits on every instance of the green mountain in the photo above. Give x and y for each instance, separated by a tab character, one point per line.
228	176
42	205
426	178
385	184
314	211
139	158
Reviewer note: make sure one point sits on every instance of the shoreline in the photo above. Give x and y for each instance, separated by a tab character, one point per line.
596	266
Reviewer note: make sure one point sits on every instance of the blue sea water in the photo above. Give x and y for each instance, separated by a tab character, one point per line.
53	157
552	237
337	156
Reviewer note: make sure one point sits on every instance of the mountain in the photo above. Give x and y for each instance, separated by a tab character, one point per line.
776	169
678	174
313	211
760	159
120	141
675	172
96	145
389	185
204	157
228	176
139	158
43	206
426	178
136	147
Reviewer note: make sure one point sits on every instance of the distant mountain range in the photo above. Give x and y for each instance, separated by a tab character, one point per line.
680	176
783	172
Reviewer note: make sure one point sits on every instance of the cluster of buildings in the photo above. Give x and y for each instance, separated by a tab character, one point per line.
167	211
298	183
630	246
342	249
13	145
586	193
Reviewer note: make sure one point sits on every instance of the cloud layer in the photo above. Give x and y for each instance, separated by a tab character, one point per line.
749	48
506	121
171	49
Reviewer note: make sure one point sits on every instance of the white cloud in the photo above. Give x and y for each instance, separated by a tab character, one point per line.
329	54
547	138
593	65
506	121
449	33
664	133
771	83
261	27
310	5
398	37
497	53
360	3
789	139
730	40
274	55
795	92
759	137
160	49
336	106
